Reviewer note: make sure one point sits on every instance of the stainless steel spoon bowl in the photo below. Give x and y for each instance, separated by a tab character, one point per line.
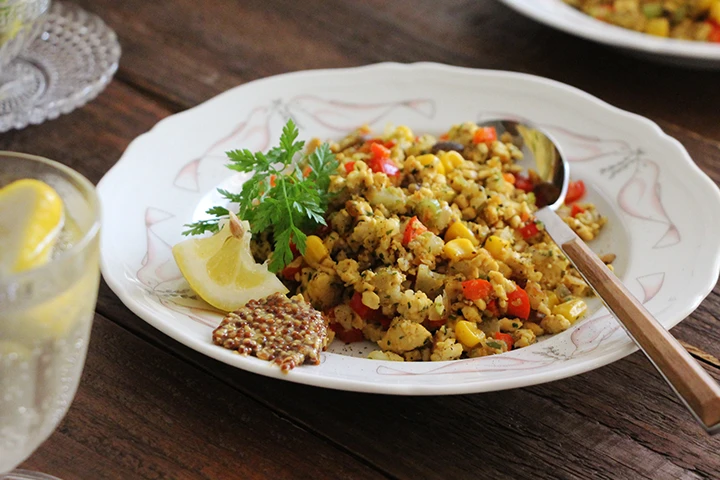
697	390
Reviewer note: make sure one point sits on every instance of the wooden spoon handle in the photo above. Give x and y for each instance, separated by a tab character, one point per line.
694	386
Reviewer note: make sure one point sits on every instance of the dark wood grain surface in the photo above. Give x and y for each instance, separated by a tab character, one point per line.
150	408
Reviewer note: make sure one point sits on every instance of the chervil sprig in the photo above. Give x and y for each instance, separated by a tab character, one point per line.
281	196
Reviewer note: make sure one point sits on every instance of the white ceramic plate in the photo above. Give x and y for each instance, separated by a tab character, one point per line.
557	14
664	212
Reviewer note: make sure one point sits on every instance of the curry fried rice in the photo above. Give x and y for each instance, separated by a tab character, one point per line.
432	250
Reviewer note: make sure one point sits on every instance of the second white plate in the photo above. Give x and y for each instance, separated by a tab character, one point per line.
559	15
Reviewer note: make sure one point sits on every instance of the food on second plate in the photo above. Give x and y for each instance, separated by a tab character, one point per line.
685	19
426	247
286	331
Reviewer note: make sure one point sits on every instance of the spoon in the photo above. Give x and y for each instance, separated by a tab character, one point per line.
691	383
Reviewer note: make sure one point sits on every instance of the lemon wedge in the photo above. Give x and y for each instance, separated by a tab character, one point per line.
31	219
221	268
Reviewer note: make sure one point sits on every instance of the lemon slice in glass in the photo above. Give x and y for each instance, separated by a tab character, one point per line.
221	268
57	316
31	219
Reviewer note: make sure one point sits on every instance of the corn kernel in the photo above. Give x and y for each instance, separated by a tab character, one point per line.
496	246
426	159
715	11
659	27
371	299
468	333
404	133
459	249
449	167
451	160
552	300
315	251
430	159
459	230
572	309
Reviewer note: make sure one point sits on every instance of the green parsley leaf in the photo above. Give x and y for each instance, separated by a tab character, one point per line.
246	161
218	211
202	226
323	164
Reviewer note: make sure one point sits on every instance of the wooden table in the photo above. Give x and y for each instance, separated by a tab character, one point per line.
149	407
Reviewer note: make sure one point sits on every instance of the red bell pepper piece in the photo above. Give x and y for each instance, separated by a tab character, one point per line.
492	307
714	35
505	337
367	313
518	303
476	289
575	209
360	308
485	135
380	160
369	143
379	151
289	272
293	267
385	166
412	230
575	191
528	231
349	167
348	336
523	183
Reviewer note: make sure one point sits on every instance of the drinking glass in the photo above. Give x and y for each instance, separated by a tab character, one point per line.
45	317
